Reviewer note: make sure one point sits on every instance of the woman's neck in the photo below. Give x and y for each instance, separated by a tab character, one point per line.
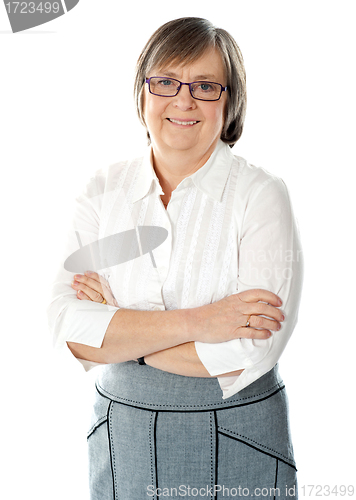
172	169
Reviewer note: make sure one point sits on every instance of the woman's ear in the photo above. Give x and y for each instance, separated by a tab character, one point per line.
143	121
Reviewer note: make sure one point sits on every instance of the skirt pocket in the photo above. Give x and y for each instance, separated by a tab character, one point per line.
256	439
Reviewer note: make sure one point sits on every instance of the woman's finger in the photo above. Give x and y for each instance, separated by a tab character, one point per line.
257	295
252	333
89	282
93	293
82	296
260	322
260	308
97	277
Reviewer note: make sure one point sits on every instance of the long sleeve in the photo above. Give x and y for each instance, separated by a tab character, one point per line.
269	257
71	319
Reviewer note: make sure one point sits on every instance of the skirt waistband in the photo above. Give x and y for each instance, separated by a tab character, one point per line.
145	387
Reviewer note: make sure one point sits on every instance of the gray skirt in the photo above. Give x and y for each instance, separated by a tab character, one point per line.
158	435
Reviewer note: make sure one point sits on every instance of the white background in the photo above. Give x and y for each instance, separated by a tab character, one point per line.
67	110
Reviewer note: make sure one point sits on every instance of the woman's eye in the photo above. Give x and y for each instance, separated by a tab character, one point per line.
165	82
206	87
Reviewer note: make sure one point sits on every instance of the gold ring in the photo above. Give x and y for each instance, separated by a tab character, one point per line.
103	302
248	321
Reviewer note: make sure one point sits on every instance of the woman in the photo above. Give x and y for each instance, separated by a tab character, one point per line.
196	251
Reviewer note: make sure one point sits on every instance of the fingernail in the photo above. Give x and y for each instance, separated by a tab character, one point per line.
77	277
75	283
283	317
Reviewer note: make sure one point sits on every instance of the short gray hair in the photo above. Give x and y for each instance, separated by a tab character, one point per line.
183	41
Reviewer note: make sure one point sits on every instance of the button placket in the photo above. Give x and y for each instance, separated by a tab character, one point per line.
162	255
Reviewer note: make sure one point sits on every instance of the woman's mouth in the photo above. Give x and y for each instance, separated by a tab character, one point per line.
185	123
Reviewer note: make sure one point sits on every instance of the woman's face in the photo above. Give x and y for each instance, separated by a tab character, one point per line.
161	113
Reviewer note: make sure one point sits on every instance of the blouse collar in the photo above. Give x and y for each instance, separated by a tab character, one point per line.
210	178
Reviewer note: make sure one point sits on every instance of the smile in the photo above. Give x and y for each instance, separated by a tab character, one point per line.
178	122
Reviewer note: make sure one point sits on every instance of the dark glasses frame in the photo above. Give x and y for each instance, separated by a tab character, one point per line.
148	81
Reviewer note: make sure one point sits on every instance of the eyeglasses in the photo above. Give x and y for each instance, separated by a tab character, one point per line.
169	87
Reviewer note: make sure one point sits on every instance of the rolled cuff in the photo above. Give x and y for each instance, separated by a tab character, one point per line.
237	354
84	323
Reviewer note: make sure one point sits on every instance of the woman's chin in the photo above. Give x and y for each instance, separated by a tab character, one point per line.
180	142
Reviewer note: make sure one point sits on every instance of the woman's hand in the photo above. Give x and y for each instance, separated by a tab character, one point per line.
252	314
92	286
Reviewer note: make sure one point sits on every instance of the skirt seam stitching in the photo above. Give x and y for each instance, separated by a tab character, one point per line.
275	480
96	426
211	448
248	442
216	453
111	451
129	402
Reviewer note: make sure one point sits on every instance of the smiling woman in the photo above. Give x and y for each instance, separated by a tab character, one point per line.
189	333
179	46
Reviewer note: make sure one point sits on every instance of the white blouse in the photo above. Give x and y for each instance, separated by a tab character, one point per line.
228	227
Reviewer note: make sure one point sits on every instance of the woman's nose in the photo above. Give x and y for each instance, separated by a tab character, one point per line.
183	100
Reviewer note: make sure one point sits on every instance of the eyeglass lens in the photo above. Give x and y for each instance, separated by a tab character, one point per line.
169	87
